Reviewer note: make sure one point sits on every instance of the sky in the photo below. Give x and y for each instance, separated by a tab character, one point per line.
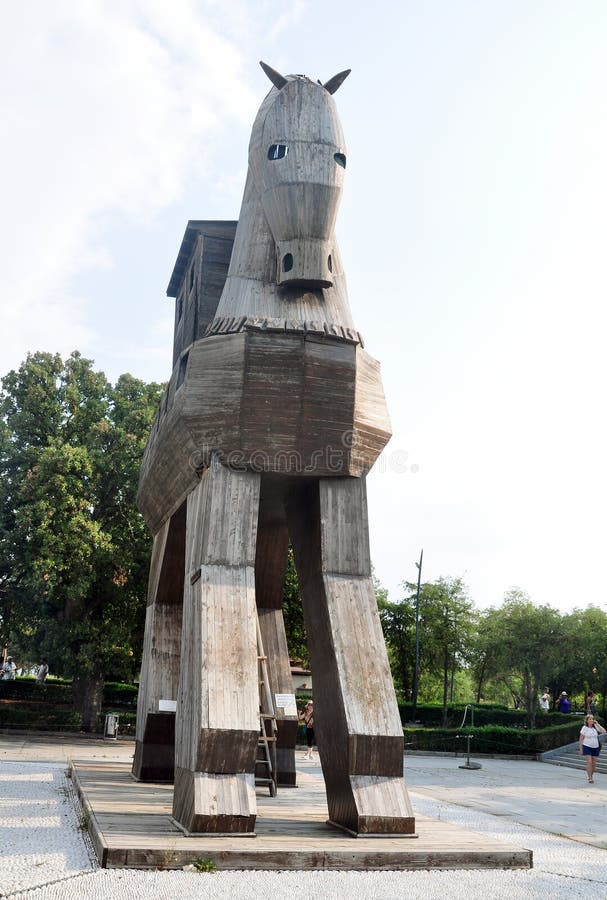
472	229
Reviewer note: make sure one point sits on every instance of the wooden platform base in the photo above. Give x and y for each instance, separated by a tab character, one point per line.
130	826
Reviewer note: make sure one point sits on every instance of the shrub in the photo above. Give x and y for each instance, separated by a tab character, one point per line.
117	694
56	691
491	739
431	714
42	717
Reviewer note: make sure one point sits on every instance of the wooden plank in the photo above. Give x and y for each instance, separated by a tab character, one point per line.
131	827
217	722
356	715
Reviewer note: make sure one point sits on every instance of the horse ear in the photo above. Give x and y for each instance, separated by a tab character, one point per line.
336	82
275	77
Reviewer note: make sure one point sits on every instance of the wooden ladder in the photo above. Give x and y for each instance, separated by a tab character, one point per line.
265	758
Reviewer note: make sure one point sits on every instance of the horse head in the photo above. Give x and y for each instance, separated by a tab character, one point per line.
297	159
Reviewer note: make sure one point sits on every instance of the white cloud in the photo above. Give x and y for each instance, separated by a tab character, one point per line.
109	110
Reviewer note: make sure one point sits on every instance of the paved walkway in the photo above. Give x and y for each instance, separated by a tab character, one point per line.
553	811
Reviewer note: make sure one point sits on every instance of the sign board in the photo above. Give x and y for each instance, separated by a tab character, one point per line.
167	706
287	703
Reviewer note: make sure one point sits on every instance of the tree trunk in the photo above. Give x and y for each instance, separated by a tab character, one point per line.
445	689
530	700
87	693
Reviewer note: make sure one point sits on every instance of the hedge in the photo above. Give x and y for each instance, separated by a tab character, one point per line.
39	717
116	694
492	739
431	715
48	706
44	717
25	689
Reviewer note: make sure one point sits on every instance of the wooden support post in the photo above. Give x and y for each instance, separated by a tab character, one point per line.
357	723
217	723
154	758
270	566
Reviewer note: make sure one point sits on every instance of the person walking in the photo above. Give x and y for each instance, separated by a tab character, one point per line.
544	701
589	744
42	672
307	717
9	670
590	704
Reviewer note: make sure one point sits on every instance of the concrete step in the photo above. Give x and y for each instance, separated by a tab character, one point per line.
572	760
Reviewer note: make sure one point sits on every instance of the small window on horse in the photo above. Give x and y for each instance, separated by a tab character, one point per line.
330	263
278	151
287	262
183	366
340	159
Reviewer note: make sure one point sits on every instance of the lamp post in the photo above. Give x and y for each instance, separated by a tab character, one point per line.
416	669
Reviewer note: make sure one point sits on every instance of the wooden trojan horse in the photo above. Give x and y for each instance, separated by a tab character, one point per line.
273	416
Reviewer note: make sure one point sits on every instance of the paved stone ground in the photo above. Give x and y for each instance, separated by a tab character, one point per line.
45	854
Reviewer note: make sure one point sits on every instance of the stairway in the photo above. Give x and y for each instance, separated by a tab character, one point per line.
569	756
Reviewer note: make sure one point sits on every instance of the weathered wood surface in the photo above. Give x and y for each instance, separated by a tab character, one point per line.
198	279
280	373
356	717
217	722
155	736
130	825
292	405
275	407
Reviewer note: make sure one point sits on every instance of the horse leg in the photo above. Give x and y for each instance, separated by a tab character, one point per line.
155	735
356	718
270	565
217	723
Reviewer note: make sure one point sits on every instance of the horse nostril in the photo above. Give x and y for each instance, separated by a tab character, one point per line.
287	262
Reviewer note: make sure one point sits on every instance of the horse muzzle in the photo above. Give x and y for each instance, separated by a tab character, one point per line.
306	262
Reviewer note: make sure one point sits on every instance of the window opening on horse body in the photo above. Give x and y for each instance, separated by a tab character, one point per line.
278	151
287	262
340	159
183	366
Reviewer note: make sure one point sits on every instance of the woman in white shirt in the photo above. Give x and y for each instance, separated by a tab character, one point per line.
589	744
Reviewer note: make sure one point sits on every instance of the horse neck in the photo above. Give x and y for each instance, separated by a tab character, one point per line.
251	290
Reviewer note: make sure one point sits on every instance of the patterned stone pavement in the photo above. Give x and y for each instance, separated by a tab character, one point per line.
44	852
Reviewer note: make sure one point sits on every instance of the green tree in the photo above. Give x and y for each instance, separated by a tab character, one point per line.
447	629
398	625
74	551
293	614
582	664
524	641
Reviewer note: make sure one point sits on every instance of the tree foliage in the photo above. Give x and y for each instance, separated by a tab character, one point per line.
74	551
446	625
506	654
524	640
293	613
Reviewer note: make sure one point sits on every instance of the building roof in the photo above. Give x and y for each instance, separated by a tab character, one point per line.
299	670
218	228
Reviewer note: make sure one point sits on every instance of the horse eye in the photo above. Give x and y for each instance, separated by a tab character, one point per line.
277	151
340	159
